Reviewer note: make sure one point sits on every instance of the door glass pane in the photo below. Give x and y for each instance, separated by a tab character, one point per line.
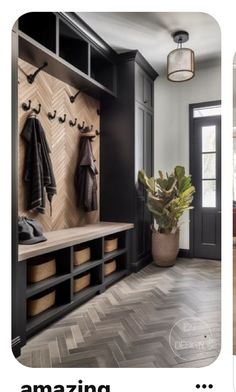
207	111
209	193
209	165
209	138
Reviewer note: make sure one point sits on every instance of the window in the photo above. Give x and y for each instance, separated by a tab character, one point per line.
209	166
207	111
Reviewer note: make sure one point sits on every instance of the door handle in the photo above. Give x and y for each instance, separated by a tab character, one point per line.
218	212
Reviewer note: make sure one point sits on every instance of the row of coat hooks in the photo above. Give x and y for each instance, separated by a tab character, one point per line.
85	130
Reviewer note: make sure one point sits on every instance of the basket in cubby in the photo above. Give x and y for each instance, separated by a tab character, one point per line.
40	269
109	267
82	282
110	244
43	302
82	255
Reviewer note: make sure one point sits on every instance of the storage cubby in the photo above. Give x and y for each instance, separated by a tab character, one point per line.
57	297
121	265
114	244
73	48
53	297
41	26
110	267
84	282
102	70
87	255
58	262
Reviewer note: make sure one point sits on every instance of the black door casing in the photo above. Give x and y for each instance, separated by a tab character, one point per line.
205	222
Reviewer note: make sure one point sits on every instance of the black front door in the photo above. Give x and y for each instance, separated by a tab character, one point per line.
205	167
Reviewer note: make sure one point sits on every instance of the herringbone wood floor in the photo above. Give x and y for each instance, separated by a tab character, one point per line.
130	324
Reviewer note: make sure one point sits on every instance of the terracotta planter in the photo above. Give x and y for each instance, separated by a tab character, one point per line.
165	248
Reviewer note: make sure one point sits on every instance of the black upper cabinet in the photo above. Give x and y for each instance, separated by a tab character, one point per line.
102	70
73	48
41	26
144	87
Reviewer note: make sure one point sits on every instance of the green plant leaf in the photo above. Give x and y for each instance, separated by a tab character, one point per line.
168	197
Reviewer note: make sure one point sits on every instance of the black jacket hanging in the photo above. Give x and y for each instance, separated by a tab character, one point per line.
85	177
38	167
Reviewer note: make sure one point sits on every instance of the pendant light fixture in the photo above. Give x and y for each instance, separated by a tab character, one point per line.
180	62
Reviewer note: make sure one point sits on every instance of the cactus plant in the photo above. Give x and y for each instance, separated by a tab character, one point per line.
168	197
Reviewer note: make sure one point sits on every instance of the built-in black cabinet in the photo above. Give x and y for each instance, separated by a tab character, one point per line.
127	147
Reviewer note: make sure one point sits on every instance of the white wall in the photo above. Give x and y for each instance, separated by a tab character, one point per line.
171	122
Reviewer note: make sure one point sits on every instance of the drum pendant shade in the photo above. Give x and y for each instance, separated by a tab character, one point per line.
180	62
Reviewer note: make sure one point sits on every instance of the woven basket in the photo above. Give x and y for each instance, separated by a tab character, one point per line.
81	283
110	245
41	270
82	256
109	267
37	306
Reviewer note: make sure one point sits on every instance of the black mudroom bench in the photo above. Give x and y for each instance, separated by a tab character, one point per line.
61	245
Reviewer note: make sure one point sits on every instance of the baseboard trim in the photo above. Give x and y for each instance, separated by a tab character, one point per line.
184	253
135	267
16	345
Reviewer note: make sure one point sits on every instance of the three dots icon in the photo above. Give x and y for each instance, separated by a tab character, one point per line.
204	386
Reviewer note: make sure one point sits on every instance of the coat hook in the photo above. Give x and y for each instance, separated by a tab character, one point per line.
26	107
87	129
30	78
71	123
97	133
52	116
62	120
37	111
80	127
73	97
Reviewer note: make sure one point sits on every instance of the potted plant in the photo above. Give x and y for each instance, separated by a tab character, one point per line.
167	199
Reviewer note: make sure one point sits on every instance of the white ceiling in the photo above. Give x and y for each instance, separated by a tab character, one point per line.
150	33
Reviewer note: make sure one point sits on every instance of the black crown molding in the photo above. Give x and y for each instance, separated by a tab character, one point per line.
135	55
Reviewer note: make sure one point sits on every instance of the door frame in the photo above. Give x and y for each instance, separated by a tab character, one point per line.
193	106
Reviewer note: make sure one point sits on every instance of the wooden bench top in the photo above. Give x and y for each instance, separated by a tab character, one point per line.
68	237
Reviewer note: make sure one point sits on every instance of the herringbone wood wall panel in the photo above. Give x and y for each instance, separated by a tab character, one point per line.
63	141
